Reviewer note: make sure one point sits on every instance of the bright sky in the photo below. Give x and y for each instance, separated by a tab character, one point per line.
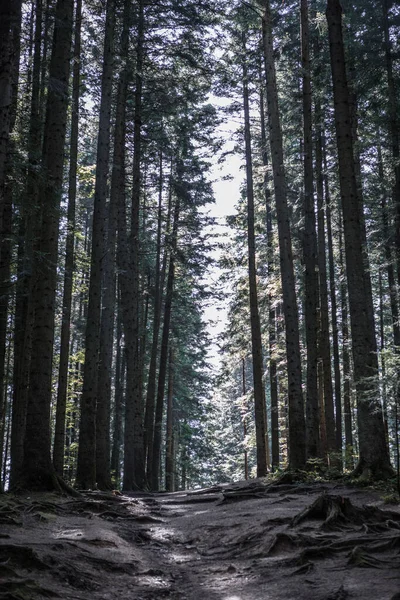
226	197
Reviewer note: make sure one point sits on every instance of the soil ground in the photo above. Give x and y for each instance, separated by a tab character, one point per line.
248	541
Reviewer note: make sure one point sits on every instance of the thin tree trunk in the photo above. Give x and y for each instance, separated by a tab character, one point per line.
6	194
10	25
309	244
347	409
169	438
59	433
86	468
374	455
324	342
335	328
297	441
151	381
117	437
256	344
155	469
244	420
273	372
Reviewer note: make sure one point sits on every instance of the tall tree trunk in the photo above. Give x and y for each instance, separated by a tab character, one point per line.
155	468
27	230
169	437
86	468
273	371
297	441
117	437
151	381
134	467
59	433
347	408
256	344
333	302
10	25
324	338
374	455
309	244
391	279
118	184
103	413
244	419
38	472
6	191
394	128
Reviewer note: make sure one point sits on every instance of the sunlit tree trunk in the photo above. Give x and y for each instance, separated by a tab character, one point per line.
256	344
9	75
333	303
117	435
59	433
10	24
151	380
273	371
324	337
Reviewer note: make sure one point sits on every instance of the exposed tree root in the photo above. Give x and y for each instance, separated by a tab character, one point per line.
376	472
340	594
283	543
337	512
359	557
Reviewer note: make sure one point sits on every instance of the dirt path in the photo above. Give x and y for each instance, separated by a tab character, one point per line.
245	542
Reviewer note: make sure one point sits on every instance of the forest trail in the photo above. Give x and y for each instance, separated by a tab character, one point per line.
246	541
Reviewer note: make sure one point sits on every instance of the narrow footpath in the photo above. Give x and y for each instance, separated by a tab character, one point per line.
247	541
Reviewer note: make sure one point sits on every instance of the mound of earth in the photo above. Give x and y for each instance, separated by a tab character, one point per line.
248	541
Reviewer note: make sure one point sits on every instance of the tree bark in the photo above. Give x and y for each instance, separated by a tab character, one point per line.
134	467
86	468
9	68
256	344
273	371
117	436
309	244
394	129
37	469
333	302
297	441
374	456
155	468
59	433
169	437
10	25
324	337
151	380
103	414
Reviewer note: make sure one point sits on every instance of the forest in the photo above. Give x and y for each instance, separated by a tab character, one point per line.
116	117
